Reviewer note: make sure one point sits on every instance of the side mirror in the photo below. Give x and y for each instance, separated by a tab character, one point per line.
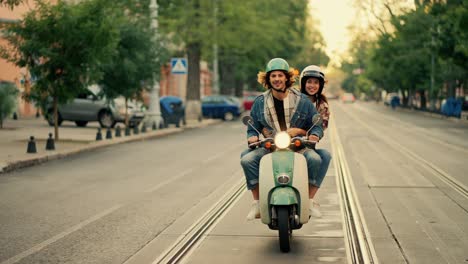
247	120
317	119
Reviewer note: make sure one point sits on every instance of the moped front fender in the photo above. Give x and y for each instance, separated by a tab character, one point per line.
283	196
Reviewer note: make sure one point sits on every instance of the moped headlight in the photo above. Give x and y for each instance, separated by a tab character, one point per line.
283	179
282	140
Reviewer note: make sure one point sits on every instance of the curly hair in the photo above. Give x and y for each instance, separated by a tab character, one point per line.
264	78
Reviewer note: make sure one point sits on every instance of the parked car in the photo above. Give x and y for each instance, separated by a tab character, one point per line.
249	98
348	98
172	110
87	107
220	106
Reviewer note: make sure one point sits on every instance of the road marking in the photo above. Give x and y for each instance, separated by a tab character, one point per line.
53	239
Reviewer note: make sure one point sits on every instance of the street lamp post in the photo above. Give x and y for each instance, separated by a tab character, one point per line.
154	112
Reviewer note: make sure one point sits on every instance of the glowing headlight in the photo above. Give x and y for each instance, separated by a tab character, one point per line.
282	140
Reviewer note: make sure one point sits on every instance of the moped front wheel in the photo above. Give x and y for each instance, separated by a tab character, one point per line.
284	228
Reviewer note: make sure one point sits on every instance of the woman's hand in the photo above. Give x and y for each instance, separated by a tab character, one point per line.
314	138
252	139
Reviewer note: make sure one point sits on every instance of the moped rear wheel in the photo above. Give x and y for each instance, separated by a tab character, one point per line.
284	229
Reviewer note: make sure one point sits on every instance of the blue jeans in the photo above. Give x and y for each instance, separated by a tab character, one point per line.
325	159
250	162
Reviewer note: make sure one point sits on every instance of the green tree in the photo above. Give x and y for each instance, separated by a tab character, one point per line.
10	3
133	66
63	46
8	93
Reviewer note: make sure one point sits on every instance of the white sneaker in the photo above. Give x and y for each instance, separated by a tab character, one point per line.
314	209
254	211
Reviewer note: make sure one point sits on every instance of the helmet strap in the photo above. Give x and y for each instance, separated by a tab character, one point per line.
280	91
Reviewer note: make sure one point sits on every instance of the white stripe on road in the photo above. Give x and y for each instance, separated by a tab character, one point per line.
96	217
51	240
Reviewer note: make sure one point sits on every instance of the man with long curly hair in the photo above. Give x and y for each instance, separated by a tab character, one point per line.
280	108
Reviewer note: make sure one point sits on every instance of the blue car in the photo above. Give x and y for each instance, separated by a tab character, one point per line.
220	106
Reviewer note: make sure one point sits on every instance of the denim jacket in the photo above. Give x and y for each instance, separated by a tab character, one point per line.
301	117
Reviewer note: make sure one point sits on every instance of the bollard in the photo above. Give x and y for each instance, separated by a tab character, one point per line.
135	130
154	125
15	116
143	128
108	134
118	132
127	131
31	145
37	114
50	145
161	126
98	134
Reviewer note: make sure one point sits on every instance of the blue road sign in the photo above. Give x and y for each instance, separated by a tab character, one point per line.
179	65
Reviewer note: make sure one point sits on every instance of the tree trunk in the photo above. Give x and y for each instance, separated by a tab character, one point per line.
423	99
227	74
56	130
126	112
193	107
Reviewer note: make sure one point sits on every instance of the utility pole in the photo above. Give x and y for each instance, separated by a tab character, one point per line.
154	112
215	51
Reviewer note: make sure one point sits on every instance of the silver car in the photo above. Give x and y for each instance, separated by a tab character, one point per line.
87	107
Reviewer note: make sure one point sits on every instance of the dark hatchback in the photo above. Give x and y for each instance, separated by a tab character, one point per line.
219	106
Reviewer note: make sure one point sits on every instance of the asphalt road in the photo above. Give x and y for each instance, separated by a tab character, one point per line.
127	203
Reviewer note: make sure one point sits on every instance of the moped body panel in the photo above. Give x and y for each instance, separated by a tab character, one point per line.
295	166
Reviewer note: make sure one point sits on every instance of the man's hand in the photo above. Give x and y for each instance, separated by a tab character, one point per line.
252	139
294	132
314	138
267	132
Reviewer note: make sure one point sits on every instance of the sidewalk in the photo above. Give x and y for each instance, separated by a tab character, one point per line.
15	135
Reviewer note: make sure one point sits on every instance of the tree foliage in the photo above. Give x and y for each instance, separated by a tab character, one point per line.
62	46
10	3
8	93
418	51
248	34
135	65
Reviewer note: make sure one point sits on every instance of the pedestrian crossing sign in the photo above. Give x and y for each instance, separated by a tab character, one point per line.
179	65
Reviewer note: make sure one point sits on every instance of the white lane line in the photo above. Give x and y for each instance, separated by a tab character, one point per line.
80	225
219	154
53	239
171	179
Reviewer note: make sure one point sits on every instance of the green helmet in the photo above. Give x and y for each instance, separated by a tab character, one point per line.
277	64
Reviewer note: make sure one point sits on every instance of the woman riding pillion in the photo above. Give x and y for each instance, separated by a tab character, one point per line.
312	81
278	109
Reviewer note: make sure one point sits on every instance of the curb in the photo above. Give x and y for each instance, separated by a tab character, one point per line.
436	115
55	155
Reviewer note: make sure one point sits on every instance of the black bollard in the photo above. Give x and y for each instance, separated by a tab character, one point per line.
154	125
135	130
31	145
15	116
98	134
50	145
143	128
118	133
161	125
127	131
37	114
108	134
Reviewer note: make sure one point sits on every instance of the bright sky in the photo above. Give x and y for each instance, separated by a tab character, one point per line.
334	16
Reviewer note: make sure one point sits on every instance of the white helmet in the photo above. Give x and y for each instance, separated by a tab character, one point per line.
312	71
